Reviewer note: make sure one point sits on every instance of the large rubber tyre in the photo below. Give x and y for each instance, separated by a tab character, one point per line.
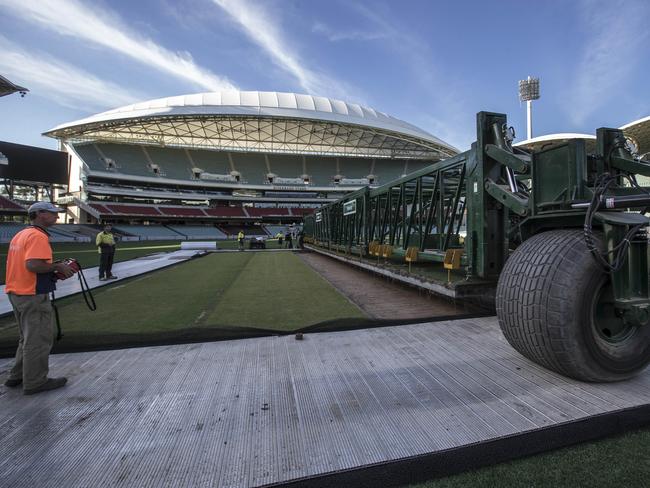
554	306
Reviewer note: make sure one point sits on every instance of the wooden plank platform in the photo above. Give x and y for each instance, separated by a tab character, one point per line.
265	411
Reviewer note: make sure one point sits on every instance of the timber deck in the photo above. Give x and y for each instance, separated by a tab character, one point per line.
370	407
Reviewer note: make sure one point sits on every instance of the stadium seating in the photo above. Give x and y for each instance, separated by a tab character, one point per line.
300	211
9	229
233	230
129	159
211	161
80	231
182	211
90	155
321	170
150	232
110	209
9	206
123	209
286	165
414	165
199	232
226	212
100	208
267	212
274	229
173	162
177	164
61	234
355	167
251	166
386	170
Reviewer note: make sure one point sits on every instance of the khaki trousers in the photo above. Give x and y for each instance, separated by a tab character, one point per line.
35	318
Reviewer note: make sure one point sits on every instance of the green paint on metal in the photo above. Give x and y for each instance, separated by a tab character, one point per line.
490	199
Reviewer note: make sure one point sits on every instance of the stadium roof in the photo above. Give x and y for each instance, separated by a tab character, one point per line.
638	131
551	140
7	87
259	121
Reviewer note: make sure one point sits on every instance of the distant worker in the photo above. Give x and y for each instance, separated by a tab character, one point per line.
240	240
289	240
106	246
301	239
29	280
279	236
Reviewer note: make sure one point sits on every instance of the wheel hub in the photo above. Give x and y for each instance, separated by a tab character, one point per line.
610	323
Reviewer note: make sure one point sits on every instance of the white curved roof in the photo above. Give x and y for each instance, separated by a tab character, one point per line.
292	123
550	140
639	130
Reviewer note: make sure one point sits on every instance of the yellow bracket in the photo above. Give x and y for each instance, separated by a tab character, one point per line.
411	256
452	261
386	251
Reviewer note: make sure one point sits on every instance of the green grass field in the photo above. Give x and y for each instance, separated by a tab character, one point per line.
232	290
616	462
86	253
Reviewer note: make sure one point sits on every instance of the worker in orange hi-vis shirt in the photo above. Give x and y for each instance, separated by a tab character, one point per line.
28	283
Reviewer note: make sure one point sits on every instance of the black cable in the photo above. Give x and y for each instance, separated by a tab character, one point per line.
619	252
59	333
85	290
88	298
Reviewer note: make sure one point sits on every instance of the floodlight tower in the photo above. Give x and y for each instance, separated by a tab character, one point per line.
529	91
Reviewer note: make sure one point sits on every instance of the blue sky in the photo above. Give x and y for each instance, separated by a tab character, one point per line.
431	63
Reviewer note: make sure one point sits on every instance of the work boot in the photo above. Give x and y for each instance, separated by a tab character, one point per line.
50	384
13	383
101	278
112	277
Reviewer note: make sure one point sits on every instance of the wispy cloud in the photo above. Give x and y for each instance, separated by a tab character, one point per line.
261	27
53	79
415	52
106	29
442	94
618	31
352	35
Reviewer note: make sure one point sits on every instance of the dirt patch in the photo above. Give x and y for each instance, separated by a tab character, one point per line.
379	297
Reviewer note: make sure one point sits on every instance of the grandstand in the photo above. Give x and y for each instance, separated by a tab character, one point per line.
273	230
232	158
232	230
9	229
134	232
150	232
199	232
57	233
9	207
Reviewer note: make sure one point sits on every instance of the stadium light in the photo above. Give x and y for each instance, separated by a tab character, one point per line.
529	91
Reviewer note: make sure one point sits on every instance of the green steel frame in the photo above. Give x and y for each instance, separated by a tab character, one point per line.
487	201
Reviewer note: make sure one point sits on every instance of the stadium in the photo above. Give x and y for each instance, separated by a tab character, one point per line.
232	159
374	352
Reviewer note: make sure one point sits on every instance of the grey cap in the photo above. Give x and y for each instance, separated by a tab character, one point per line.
44	207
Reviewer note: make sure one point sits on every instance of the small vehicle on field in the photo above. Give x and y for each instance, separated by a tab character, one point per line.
257	242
